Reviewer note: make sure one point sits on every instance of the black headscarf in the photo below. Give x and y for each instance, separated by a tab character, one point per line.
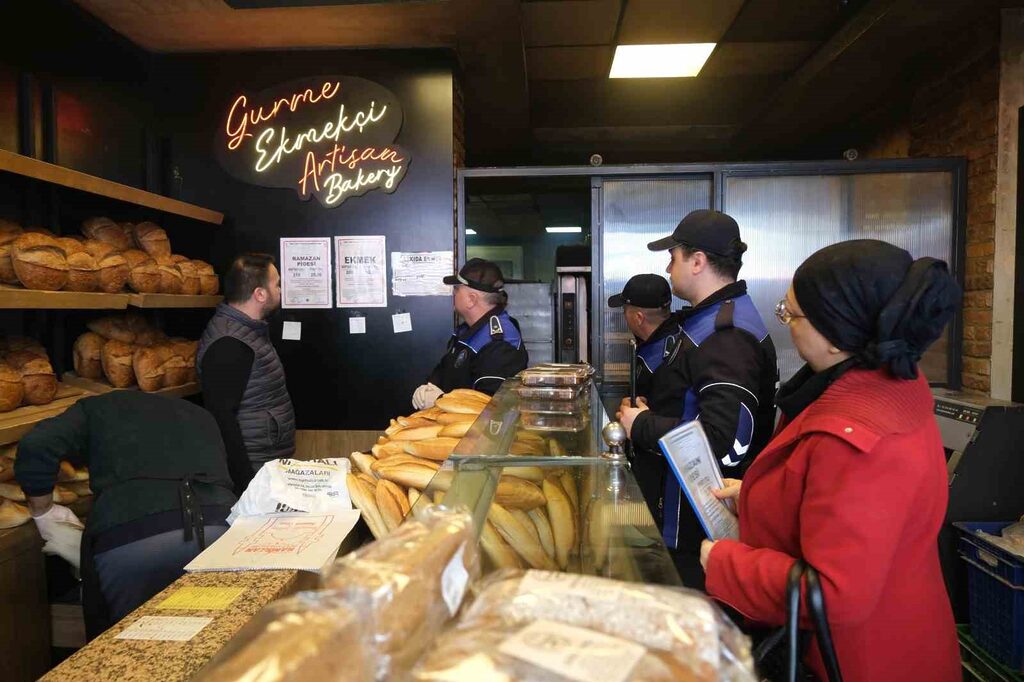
874	300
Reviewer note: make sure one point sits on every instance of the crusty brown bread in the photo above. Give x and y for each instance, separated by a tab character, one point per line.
152	239
39	262
117	363
88	356
106	230
83	273
12	390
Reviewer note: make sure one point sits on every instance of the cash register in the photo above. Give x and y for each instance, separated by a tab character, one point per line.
984	443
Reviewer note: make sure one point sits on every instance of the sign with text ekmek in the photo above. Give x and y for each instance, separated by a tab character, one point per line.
331	137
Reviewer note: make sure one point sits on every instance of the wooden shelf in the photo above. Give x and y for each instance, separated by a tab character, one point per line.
172	301
92	386
65	177
15	424
17	297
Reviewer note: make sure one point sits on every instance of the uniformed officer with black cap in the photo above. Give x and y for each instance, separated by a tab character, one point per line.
487	347
723	371
646	303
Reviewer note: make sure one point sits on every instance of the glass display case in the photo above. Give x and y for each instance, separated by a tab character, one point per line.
546	491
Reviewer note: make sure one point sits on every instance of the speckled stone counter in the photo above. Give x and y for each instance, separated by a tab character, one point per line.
106	658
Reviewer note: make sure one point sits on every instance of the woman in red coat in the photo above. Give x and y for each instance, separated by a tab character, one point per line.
854	481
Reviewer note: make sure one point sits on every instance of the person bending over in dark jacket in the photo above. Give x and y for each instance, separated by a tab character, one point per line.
159	475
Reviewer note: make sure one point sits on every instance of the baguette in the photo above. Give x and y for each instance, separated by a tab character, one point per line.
469	394
398	460
414	496
496	549
387	450
363	497
80	488
521	448
524	520
448	418
65	472
568	482
563	522
520	538
432	448
456	430
417	433
459	405
416	476
555	448
516	493
540	521
62	495
414	422
392	503
431	413
363	462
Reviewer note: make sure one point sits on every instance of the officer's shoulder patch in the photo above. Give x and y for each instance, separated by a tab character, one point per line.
496	326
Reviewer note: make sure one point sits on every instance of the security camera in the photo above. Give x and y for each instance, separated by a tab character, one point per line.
596	160
851	154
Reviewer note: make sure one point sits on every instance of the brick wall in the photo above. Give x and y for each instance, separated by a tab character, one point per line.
955	112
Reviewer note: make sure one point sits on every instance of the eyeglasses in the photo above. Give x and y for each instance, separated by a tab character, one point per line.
783	313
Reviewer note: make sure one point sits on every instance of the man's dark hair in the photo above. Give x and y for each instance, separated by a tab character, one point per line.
247	272
727	267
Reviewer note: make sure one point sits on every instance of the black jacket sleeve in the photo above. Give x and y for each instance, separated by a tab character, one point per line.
225	373
725	373
496	362
40	452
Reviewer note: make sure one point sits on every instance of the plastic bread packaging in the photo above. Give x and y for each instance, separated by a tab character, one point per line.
308	636
553	627
407	585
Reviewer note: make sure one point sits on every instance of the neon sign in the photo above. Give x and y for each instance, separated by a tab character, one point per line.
331	137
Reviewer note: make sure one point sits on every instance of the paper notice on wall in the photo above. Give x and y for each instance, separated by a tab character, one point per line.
357	325
299	542
306	272
420	273
402	322
361	264
689	454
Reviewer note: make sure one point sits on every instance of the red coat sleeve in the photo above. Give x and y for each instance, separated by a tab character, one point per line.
852	514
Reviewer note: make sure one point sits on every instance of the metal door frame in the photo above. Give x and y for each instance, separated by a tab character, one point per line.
719	172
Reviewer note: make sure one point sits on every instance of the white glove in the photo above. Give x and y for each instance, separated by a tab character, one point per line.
62	532
425	396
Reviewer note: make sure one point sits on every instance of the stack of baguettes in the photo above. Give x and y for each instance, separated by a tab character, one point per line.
72	483
533	521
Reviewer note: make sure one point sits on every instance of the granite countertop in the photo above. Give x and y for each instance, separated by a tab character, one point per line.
106	658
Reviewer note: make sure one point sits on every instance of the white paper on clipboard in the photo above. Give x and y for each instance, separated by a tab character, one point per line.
689	454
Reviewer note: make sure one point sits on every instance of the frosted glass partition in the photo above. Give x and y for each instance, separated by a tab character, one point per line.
784	219
635	212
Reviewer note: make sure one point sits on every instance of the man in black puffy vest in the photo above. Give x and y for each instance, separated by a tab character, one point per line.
241	374
487	347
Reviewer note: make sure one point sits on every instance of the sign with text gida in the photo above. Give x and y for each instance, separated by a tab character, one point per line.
331	137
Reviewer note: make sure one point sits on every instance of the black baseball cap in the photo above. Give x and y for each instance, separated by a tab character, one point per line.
643	291
479	274
703	230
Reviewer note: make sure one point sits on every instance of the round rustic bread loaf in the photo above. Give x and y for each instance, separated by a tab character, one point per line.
88	356
148	364
106	230
145	277
209	283
172	281
71	245
117	363
83	274
152	239
12	391
37	376
8	233
39	262
112	272
190	283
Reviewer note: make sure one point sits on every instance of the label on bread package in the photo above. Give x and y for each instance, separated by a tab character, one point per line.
316	486
453	581
574	653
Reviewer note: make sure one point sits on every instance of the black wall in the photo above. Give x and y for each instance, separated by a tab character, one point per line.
336	380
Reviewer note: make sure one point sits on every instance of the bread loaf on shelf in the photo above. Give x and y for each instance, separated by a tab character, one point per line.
83	273
39	262
209	283
37	376
145	278
152	239
172	281
148	366
190	285
87	355
117	363
12	390
106	230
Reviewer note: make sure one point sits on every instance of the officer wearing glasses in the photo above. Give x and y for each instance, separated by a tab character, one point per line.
487	347
723	371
